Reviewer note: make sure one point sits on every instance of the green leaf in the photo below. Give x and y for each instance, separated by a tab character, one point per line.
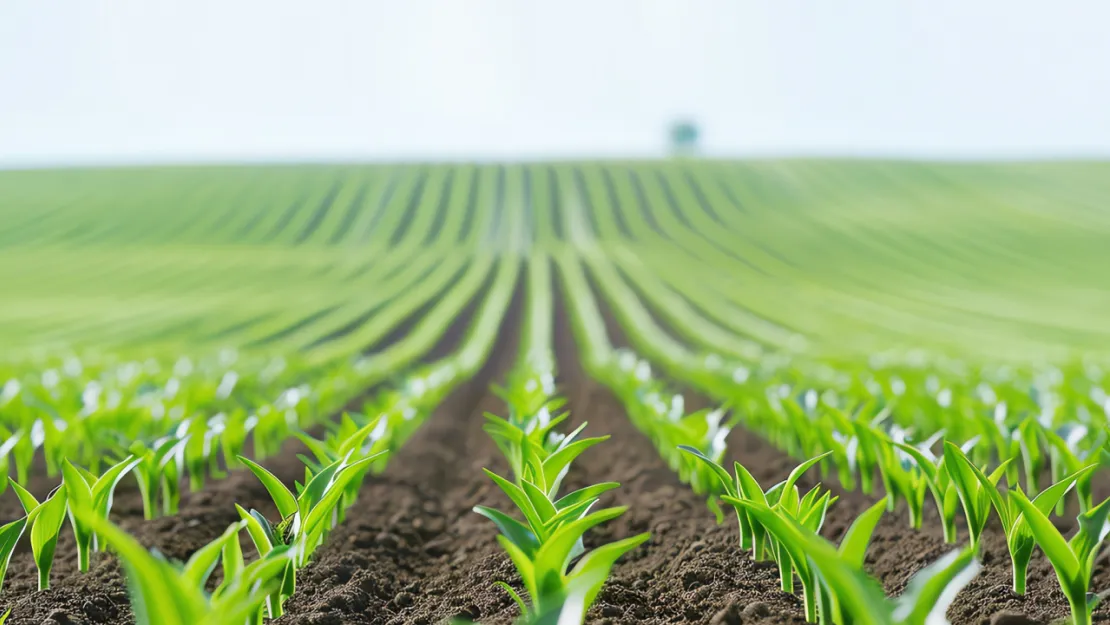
44	533
26	499
788	488
544	508
259	530
933	589
104	486
320	450
158	594
556	465
594	567
10	533
514	530
1092	530
509	590
232	558
853	546
356	439
80	498
522	563
723	478
582	494
553	553
324	508
284	500
201	564
569	513
746	486
923	462
523	503
1055	548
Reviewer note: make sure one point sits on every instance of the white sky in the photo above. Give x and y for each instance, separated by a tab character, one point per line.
171	80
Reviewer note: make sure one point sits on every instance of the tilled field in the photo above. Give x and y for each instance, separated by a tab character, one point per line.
411	550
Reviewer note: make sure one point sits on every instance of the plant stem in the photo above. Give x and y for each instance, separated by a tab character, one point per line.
809	597
273	605
1080	612
1019	578
786	572
949	526
44	579
915	515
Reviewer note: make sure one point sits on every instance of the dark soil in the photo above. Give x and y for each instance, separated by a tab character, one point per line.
411	550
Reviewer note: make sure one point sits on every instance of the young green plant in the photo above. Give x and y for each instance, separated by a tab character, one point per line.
934	472
545	545
87	490
1073	560
163	594
785	498
306	518
848	595
975	497
1019	537
46	519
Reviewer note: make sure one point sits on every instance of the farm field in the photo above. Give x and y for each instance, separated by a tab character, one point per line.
908	363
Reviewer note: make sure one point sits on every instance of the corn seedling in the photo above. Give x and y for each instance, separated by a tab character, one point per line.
849	596
87	490
934	472
544	546
1073	560
1019	538
544	559
974	496
10	534
349	440
785	498
306	518
163	594
46	521
1065	459
158	471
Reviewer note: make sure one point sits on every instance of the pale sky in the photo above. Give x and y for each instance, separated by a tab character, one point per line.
90	81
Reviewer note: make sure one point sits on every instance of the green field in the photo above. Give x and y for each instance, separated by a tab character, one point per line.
990	262
930	337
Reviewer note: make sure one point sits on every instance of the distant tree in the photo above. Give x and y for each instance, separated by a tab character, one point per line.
684	136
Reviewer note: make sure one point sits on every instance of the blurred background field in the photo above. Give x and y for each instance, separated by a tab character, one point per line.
991	262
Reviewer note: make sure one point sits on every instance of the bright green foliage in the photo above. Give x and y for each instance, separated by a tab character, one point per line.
785	498
1068	458
86	490
10	534
1019	538
547	575
1073	560
162	594
663	417
307	517
848	308
933	471
528	438
548	542
158	472
848	595
975	498
46	521
544	546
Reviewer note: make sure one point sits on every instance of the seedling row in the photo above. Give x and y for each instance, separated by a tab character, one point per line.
327	313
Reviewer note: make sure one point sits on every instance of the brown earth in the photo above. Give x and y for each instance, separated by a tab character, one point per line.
411	550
